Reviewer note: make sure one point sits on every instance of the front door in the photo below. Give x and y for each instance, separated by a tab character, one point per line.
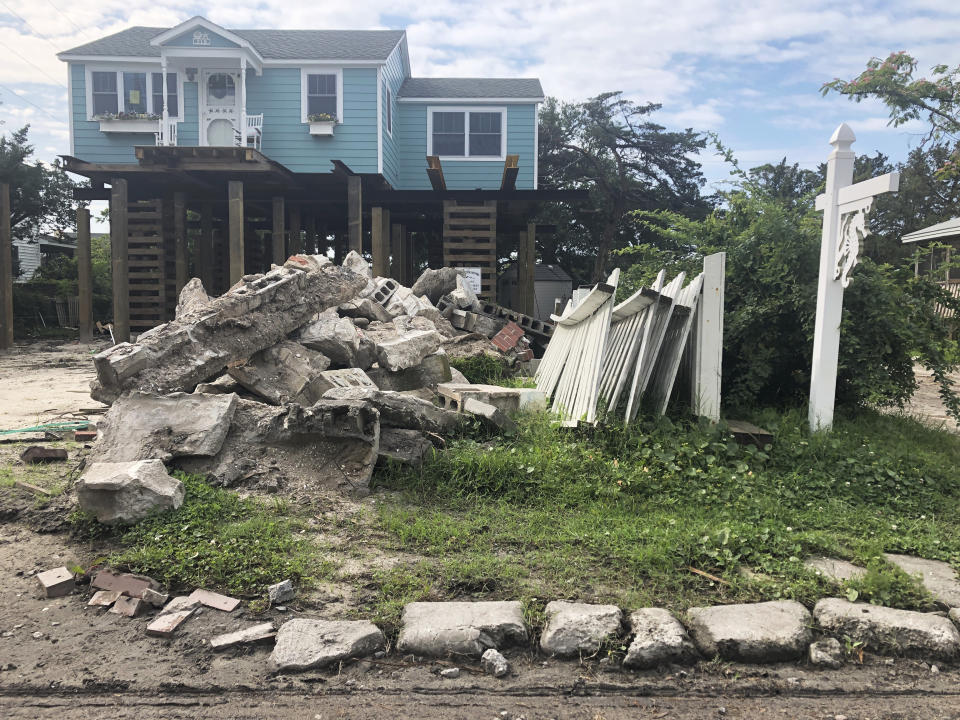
219	107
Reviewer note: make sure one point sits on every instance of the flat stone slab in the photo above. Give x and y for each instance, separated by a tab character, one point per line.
462	628
104	598
939	578
658	638
56	582
407	351
756	632
125	492
905	632
305	643
253	634
840	571
126	583
214	600
166	625
578	628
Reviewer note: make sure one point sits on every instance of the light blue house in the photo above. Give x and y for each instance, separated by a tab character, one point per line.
319	135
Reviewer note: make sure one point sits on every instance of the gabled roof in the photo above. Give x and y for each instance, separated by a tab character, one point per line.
950	228
469	88
372	45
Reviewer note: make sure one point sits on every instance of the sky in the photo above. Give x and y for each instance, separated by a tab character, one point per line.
749	71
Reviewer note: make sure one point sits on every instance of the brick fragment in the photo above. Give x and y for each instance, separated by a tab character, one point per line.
166	625
128	606
105	598
38	454
215	600
84	436
130	585
57	582
253	634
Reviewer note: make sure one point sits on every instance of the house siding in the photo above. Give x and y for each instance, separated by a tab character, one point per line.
393	75
464	174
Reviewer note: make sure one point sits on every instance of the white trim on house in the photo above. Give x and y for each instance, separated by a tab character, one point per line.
380	120
536	144
472	101
318	69
73	150
389	112
185	26
466	110
148	68
286	63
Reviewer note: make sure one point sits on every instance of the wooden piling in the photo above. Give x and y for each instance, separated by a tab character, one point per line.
180	239
380	241
84	276
6	270
355	213
526	270
296	241
235	200
119	241
277	238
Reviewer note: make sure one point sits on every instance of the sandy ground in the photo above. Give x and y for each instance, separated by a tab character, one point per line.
40	382
926	404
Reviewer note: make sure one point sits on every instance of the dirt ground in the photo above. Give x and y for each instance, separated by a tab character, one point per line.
61	658
926	404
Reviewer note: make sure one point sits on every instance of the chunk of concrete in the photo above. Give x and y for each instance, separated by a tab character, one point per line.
401	411
144	426
180	604
125	492
578	628
450	673
658	639
281	592
407	447
366	308
56	582
463	296
886	629
215	600
154	598
354	262
434	370
494	663
461	628
125	583
167	624
407	351
37	454
263	632
758	632
104	598
488	326
509	400
252	316
436	283
939	578
403	302
221	386
839	571
305	643
286	372
339	340
489	414
193	301
128	606
826	653
306	263
954	615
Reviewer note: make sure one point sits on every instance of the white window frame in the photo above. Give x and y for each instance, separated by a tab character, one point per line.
466	110
305	85
389	112
149	70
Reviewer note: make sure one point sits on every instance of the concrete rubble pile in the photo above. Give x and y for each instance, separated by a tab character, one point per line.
308	373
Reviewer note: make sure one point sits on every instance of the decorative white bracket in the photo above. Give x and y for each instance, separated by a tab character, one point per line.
853	230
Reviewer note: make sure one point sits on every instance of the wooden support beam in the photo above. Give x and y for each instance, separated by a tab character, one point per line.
206	255
435	173
6	270
511	167
235	201
355	213
526	269
380	240
296	241
398	260
84	276
119	239
180	239
277	237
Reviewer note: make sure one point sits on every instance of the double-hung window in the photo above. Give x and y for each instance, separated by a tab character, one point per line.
475	133
322	94
157	94
135	92
105	100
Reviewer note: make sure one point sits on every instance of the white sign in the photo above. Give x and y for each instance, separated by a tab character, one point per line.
845	209
201	38
473	277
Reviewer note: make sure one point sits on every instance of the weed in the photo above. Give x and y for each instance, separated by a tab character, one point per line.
483	369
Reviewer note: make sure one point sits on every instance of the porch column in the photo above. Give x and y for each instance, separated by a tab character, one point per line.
380	240
165	114
119	260
296	242
206	248
398	259
180	239
526	268
355	213
6	270
243	102
84	276
235	201
279	230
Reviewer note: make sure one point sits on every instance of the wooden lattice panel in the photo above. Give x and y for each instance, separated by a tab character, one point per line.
147	266
470	240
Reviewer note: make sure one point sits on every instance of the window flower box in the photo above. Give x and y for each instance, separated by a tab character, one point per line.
322	124
128	123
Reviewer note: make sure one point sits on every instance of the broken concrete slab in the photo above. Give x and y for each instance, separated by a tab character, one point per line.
486	325
407	351
306	263
407	447
56	582
166	624
954	615
104	598
125	583
214	600
574	629
939	578
509	400
463	296
305	643
757	632
128	606
839	571
434	370
436	283
36	454
332	444
399	410
490	415
344	378
253	634
285	372
251	317
926	635
281	592
154	598
221	386
338	339
144	426
494	663
364	308
460	628
125	492
179	604
658	639
403	302
354	261
193	301
826	653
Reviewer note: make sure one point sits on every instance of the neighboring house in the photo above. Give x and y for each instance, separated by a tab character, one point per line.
32	252
551	284
311	138
936	265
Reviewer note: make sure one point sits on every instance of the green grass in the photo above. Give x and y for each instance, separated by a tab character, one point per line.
215	540
483	369
621	515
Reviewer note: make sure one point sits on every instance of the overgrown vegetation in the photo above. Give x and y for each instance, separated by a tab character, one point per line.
215	540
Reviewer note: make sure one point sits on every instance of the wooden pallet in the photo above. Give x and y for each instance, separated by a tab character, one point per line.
470	240
147	265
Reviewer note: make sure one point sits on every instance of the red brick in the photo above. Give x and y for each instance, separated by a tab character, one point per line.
37	454
84	435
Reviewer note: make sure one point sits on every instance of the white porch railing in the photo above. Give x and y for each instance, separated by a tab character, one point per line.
166	133
253	132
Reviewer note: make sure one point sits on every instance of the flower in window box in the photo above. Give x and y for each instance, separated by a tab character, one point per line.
322	117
